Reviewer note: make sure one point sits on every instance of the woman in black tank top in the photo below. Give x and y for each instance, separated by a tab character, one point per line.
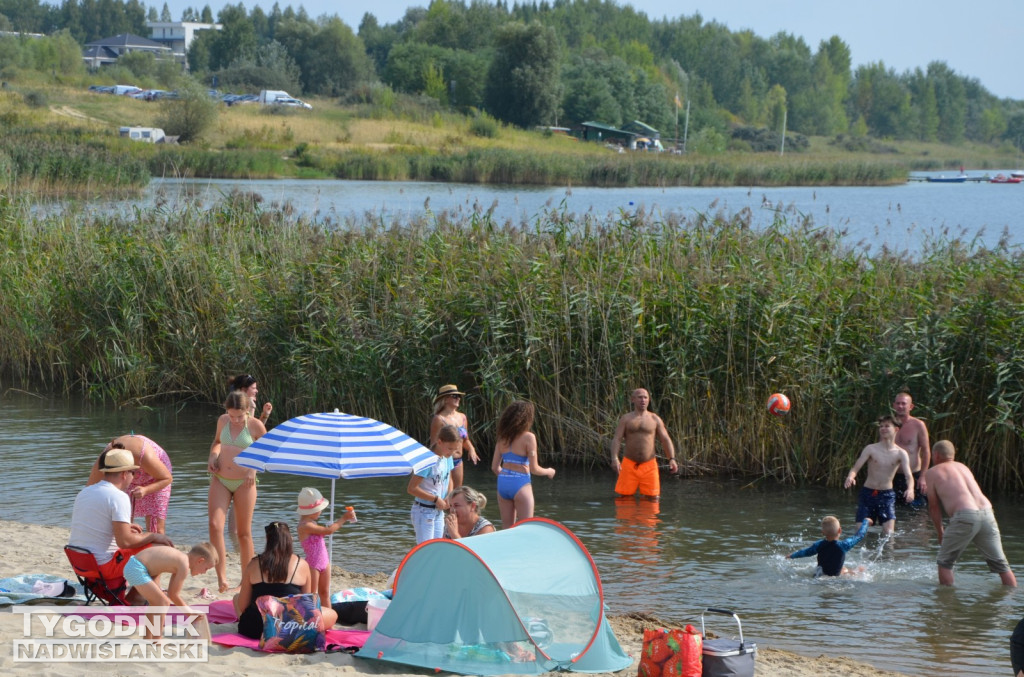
278	572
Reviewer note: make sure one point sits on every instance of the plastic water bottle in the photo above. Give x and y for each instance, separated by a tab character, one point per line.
352	510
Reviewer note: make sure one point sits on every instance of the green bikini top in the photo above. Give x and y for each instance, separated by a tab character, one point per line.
243	440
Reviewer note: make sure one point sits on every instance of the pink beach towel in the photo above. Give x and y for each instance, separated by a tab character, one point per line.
341	638
121	616
222	611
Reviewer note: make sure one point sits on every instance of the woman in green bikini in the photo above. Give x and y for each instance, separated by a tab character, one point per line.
236	430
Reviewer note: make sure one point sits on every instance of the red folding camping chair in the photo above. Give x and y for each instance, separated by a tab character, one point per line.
109	592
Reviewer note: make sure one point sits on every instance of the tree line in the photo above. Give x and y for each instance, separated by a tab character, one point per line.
566	62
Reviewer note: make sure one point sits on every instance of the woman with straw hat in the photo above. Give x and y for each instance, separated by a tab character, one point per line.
446	405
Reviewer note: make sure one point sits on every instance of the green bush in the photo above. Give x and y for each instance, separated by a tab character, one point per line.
189	116
36	99
484	125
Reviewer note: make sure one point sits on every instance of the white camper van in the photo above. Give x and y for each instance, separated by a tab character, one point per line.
145	134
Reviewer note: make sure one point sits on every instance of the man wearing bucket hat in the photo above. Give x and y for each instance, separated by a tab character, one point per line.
101	519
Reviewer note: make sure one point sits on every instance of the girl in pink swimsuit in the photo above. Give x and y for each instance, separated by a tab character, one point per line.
311	535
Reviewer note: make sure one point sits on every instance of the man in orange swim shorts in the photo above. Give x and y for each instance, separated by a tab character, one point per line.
638	468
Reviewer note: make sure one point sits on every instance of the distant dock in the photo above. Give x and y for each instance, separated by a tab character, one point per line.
984	178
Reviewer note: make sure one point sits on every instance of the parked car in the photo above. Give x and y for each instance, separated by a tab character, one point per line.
289	101
234	99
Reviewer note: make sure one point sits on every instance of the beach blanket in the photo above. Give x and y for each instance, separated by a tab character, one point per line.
222	611
336	639
27	588
124	617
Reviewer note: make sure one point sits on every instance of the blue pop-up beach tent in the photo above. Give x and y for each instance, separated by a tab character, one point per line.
525	600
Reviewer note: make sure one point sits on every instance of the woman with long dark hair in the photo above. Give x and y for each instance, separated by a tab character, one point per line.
515	459
278	572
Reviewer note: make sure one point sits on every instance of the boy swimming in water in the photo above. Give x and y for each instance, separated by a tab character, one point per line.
830	550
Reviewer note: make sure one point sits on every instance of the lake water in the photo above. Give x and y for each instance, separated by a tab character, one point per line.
709	543
901	217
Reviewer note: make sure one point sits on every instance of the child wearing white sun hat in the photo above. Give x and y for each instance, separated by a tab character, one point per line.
311	535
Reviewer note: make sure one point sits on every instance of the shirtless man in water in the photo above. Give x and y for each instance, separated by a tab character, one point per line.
638	468
877	499
912	436
952	487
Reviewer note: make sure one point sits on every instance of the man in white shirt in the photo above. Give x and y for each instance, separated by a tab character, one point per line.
101	520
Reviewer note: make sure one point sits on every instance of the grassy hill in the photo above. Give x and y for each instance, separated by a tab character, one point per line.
394	137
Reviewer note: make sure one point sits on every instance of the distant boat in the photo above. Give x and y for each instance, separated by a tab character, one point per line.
1017	173
1003	178
947	179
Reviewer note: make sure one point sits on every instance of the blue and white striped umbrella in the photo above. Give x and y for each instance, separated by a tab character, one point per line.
336	445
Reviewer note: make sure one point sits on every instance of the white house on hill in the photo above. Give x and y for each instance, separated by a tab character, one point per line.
178	35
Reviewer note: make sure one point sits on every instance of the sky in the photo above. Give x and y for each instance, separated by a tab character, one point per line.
983	43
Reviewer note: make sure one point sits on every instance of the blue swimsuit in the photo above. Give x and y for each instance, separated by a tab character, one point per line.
463	433
511	481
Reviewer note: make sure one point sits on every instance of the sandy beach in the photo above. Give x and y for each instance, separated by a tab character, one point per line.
33	549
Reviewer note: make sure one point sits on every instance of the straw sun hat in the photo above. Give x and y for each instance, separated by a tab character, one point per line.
117	460
447	390
311	501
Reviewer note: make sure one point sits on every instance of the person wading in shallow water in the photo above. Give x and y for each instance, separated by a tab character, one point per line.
912	437
877	499
952	488
638	468
446	405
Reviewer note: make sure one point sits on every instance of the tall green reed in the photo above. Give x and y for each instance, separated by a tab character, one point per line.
570	311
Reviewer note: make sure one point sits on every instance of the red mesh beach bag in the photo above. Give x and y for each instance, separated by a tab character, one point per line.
671	653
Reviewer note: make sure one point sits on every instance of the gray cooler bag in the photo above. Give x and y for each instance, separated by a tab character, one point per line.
726	657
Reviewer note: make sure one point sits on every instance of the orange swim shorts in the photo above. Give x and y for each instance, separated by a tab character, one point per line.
643	476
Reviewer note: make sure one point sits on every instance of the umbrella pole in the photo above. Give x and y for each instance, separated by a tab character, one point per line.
330	550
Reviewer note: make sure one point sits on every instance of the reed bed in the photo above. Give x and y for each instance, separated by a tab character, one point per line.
67	161
501	165
569	311
241	163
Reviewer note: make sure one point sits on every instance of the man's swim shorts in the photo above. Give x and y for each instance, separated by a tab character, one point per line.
635	475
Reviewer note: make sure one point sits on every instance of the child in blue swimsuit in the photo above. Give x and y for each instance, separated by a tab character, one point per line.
515	459
830	550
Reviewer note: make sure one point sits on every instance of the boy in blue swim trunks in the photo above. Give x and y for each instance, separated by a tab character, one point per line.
877	499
